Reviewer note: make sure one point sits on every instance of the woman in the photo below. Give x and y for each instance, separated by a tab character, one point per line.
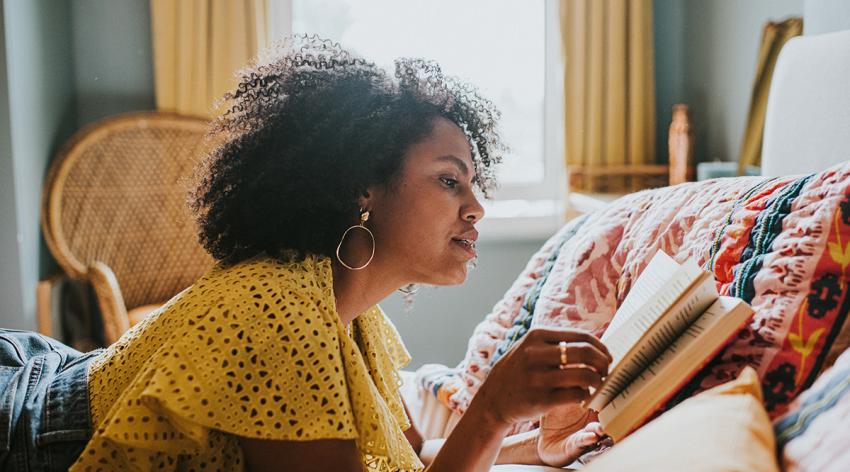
331	186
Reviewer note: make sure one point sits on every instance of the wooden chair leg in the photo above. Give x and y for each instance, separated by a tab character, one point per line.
110	301
46	292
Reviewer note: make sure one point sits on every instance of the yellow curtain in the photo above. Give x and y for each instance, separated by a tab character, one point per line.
198	45
773	37
609	87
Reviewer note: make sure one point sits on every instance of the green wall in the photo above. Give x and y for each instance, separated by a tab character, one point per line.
63	64
826	16
10	274
706	54
113	68
40	110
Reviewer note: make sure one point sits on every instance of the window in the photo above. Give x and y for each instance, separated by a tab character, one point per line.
509	49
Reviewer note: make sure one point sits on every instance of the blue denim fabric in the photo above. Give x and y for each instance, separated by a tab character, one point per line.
45	421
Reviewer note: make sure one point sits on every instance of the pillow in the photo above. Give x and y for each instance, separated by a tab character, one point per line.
722	429
780	244
815	433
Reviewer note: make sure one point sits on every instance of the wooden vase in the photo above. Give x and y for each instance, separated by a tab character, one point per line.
681	146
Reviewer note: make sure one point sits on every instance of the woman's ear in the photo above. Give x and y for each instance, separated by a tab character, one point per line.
365	200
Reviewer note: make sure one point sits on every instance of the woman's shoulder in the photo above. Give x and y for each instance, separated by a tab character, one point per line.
249	294
263	277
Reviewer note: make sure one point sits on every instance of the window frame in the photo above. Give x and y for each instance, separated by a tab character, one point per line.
517	211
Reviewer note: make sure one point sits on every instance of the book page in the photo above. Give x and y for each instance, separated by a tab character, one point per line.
680	361
657	338
651	280
628	332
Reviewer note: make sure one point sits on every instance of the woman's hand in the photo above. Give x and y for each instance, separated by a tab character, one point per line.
530	379
566	432
527	382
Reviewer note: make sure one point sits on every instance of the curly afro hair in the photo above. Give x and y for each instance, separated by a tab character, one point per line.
304	135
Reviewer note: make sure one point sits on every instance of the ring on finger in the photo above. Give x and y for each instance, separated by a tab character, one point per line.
562	346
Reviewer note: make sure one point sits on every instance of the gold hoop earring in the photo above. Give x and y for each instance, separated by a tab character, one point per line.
364	216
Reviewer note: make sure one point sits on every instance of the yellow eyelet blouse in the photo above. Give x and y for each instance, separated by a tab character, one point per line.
254	350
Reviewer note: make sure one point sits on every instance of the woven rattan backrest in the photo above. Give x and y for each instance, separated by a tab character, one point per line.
116	194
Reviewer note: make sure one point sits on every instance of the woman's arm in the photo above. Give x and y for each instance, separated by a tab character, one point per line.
474	443
531	379
516	449
342	455
414	437
301	456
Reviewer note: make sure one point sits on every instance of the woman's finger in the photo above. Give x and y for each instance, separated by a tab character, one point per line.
556	335
561	396
575	376
583	439
548	356
595	427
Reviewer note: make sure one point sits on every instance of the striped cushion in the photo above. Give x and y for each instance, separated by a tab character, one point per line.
814	435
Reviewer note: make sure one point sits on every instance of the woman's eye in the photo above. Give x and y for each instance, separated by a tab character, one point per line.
449	182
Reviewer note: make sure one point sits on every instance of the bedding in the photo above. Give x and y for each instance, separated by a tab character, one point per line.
781	244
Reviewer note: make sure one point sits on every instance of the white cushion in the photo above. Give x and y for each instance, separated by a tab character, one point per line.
807	126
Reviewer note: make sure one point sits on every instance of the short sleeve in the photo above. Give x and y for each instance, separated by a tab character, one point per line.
265	365
262	362
258	352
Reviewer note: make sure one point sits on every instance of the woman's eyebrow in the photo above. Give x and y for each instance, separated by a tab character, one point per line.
464	169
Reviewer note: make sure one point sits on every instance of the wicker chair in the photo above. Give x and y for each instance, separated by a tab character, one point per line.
114	213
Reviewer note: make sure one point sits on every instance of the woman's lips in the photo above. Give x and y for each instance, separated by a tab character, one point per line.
467	245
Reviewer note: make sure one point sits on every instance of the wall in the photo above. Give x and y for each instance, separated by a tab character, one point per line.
113	61
39	87
706	57
668	17
825	16
442	320
64	65
11	306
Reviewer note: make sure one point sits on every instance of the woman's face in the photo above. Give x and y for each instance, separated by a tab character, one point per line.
424	225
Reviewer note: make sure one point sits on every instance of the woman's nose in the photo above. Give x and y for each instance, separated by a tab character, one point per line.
473	211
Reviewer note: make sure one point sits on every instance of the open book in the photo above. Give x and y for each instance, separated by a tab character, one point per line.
669	326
